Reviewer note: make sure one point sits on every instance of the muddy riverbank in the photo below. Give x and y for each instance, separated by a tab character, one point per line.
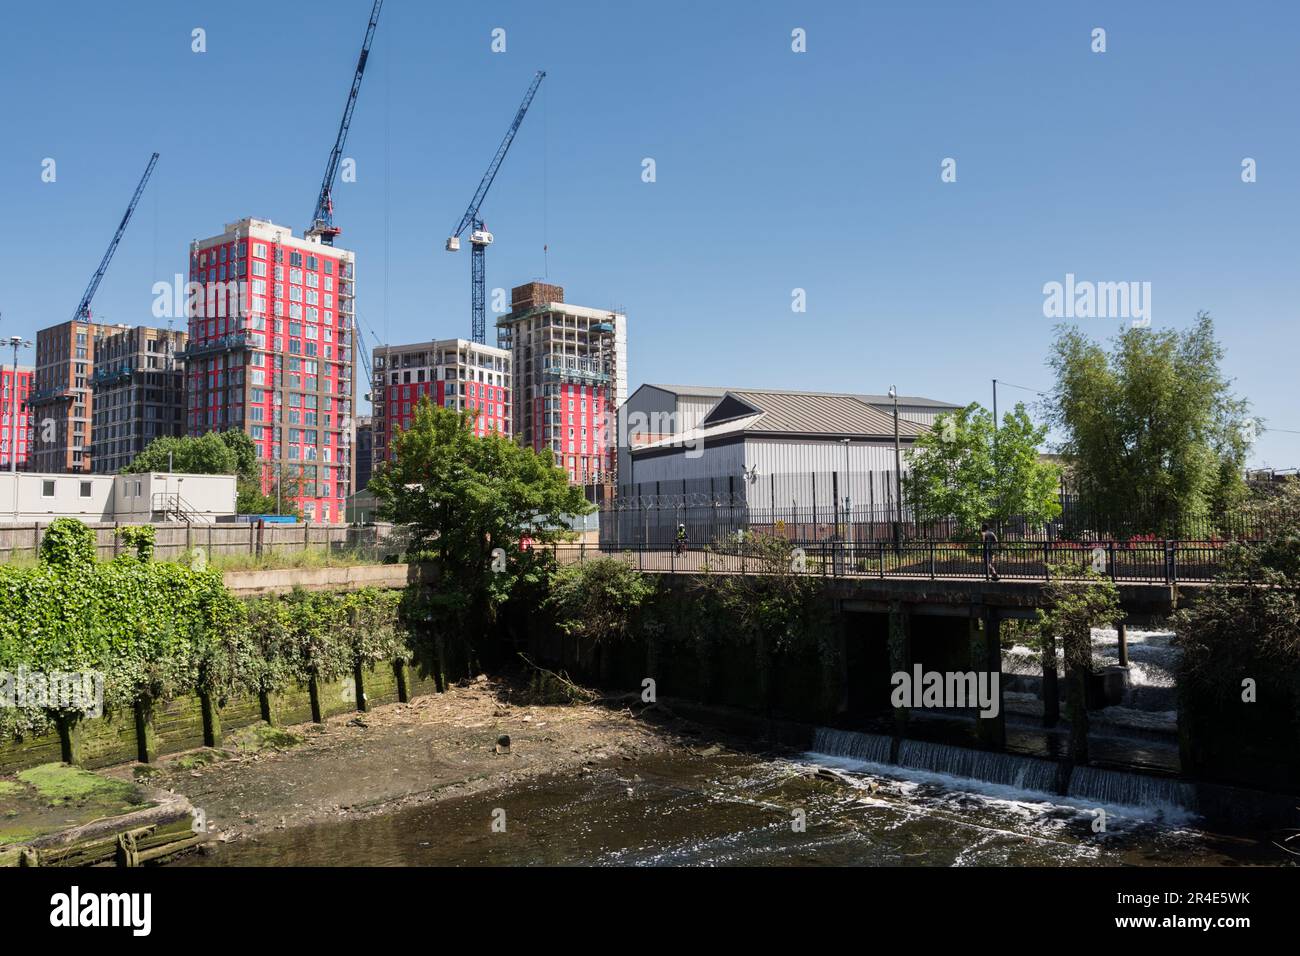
401	755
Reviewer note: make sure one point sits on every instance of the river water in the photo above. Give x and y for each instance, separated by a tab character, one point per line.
719	807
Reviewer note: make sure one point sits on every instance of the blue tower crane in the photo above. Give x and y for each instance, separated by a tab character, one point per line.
479	237
322	220
83	308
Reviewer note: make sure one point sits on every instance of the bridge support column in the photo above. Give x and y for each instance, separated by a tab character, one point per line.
1122	630
1050	688
900	657
986	658
834	667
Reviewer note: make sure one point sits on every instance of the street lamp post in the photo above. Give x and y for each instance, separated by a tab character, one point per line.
898	477
848	500
17	341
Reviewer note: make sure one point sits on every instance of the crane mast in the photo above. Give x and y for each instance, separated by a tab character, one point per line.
322	220
83	308
480	238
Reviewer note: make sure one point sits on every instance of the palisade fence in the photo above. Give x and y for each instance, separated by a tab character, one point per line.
175	540
864	507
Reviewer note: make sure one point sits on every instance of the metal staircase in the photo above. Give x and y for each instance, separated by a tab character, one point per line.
172	507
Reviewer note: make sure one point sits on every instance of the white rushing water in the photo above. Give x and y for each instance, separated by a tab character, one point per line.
1018	781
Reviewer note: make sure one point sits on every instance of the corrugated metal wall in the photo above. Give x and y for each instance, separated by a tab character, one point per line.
713	461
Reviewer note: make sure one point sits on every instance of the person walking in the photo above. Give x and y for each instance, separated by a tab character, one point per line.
990	544
683	539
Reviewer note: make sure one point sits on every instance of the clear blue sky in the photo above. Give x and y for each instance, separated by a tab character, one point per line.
775	171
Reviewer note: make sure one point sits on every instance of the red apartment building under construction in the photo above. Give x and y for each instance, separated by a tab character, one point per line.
271	352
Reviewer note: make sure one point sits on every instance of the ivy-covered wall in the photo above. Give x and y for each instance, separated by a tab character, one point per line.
179	656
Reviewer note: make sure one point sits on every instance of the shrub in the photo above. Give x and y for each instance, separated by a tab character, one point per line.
67	543
141	538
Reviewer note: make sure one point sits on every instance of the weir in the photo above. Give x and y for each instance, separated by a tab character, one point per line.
1131	789
1012	770
872	748
1029	774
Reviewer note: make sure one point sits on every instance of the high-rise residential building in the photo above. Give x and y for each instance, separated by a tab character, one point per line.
363	450
570	377
139	390
61	400
270	351
16	418
454	373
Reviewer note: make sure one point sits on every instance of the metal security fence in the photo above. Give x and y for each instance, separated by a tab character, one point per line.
859	508
1160	562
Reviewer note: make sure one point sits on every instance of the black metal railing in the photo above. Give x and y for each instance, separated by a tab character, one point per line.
1146	562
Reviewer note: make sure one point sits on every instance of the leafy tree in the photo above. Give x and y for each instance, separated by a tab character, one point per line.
465	496
1154	419
966	469
205	455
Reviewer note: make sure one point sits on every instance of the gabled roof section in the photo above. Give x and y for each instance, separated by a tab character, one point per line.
729	409
692	390
810	414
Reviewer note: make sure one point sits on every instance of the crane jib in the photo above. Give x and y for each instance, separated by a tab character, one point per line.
323	215
83	308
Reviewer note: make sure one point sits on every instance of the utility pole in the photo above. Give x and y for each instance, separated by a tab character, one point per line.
848	501
17	341
898	477
997	463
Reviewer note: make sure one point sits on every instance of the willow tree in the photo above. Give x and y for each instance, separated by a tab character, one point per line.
1152	421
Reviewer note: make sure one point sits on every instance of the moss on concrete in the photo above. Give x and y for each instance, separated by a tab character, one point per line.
53	796
58	783
260	736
